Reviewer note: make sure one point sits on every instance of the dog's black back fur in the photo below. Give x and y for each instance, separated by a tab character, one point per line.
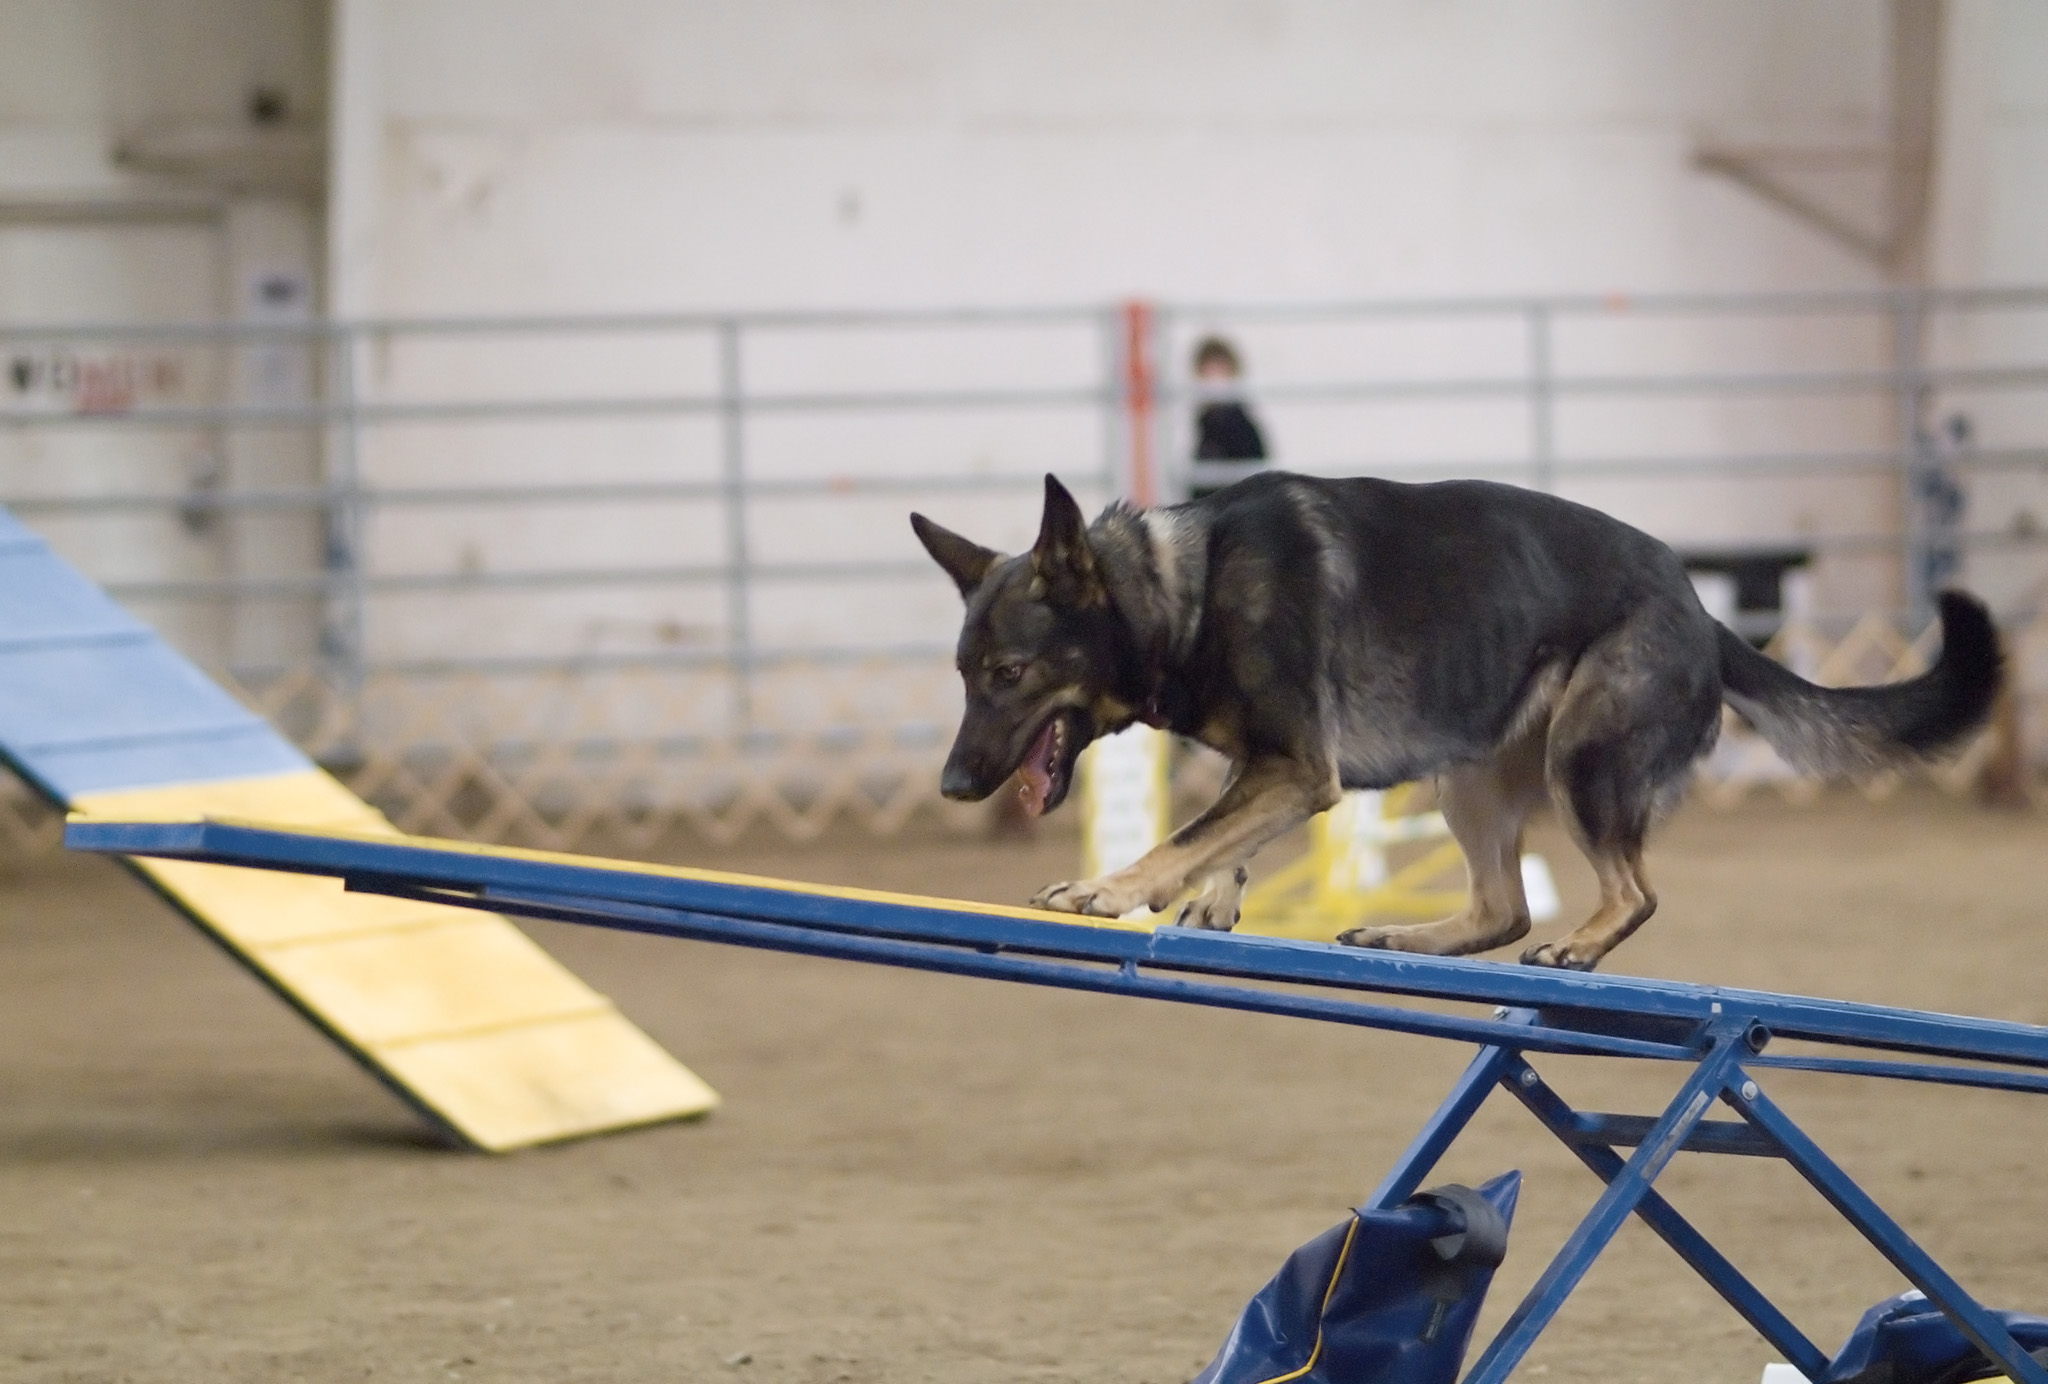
1415	618
1418	618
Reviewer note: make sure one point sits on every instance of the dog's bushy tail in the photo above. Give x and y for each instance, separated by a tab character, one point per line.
1838	732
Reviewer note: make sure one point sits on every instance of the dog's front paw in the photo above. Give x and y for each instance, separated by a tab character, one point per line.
1220	904
1562	956
1206	915
1096	898
1377	938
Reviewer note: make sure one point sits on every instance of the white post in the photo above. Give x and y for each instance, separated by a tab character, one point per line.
1123	799
1355	832
355	216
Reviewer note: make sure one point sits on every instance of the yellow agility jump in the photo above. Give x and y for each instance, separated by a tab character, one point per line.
1346	876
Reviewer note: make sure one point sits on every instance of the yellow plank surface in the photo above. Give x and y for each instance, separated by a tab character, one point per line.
638	867
459	1008
547	1081
314	798
263	908
466	974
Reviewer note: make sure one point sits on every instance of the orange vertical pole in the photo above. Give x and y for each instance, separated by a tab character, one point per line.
1141	480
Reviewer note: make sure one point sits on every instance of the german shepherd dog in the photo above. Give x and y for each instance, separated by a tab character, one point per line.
1334	634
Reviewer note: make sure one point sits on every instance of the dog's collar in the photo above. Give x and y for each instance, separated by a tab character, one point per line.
1156	678
1150	676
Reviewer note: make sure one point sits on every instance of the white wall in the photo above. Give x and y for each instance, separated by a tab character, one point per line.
633	154
1992	217
1992	228
84	239
78	75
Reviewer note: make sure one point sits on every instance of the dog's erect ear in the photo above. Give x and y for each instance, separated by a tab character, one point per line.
965	561
1061	557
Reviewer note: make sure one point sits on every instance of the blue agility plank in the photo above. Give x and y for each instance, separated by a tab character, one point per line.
1717	1034
1585	1012
91	700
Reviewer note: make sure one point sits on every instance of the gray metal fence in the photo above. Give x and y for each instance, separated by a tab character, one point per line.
553	579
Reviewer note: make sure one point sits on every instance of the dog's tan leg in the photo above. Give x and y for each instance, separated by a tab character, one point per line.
1264	799
1486	806
1626	903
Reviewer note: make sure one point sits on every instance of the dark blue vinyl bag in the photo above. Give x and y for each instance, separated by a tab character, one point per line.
1906	1340
1388	1297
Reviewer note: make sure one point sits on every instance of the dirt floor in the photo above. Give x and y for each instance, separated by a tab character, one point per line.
929	1178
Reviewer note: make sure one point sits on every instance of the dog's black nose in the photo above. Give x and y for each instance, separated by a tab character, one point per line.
957	784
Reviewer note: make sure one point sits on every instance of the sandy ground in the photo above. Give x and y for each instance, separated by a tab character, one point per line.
929	1178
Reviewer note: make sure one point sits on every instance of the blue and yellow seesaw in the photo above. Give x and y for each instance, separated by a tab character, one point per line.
459	1013
1719	1038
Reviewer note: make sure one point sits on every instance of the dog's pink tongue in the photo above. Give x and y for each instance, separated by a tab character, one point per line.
1036	771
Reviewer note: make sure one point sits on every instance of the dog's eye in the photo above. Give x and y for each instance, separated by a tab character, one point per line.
1007	674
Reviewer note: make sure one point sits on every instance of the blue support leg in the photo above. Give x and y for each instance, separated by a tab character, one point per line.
1982	1329
1623	1195
1450	1119
1709	1263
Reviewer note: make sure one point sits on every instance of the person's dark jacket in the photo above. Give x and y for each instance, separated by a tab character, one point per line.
1225	431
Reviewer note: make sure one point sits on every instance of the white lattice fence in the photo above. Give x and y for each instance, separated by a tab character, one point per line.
559	757
625	758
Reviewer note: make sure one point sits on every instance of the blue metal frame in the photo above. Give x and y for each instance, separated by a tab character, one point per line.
1719	1034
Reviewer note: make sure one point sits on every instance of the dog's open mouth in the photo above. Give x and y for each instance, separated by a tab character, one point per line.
1048	765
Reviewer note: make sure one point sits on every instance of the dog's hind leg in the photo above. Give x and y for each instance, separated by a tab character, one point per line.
1265	798
1639	708
1626	903
1486	806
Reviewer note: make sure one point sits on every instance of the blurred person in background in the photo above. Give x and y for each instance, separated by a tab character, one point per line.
1228	443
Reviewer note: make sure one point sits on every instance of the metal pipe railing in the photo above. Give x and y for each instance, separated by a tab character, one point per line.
317	498
1091	373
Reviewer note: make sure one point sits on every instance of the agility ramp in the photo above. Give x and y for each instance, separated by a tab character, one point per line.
1717	1038
457	1011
